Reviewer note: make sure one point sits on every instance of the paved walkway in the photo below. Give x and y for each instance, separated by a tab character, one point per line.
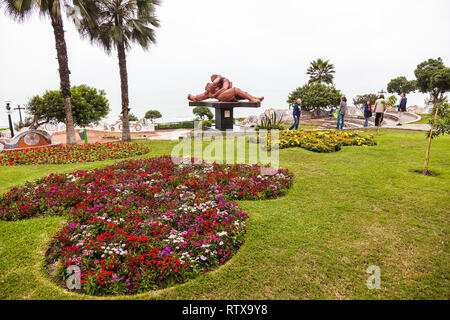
390	122
169	134
411	126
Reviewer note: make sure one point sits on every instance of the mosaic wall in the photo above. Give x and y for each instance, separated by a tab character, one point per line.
27	139
135	126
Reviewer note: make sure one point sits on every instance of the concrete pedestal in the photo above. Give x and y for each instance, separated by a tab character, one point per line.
224	111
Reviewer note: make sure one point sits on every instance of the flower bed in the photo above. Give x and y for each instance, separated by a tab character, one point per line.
319	141
71	154
144	224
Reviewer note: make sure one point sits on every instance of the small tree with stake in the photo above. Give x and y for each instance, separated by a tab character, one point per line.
433	77
440	125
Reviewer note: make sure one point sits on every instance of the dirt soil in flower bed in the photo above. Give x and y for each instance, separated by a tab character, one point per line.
143	224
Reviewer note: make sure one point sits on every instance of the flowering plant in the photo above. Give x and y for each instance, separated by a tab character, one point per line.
318	141
143	224
71	154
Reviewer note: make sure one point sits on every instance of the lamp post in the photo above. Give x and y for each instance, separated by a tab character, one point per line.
8	110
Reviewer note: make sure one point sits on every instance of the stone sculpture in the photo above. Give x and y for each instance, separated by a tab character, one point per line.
222	89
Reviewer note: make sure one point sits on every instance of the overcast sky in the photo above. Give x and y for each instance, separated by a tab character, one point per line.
264	47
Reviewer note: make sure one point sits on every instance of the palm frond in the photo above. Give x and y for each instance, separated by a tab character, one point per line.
19	10
321	71
111	22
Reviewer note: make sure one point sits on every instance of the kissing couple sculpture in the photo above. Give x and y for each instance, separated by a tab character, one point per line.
222	89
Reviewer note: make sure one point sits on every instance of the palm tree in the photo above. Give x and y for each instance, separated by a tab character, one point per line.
116	24
321	71
19	10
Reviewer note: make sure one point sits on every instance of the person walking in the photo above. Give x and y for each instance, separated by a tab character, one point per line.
401	108
379	107
296	114
342	112
367	113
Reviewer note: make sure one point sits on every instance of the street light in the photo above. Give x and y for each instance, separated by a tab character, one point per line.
8	110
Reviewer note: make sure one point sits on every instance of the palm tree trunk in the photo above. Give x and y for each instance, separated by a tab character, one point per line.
126	136
64	72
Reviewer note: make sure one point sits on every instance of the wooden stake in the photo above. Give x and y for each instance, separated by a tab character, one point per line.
427	154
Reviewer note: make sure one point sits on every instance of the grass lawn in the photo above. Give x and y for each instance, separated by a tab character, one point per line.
300	126
425	118
347	210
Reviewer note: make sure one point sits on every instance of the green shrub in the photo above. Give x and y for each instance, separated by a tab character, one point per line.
176	125
206	123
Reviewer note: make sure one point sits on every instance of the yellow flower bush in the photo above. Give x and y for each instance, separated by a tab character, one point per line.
317	141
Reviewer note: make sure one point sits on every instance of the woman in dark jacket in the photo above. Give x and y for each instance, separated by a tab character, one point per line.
367	113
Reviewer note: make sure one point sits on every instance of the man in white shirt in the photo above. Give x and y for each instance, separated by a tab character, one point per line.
379	107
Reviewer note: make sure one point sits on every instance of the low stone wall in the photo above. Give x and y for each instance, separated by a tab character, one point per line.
27	139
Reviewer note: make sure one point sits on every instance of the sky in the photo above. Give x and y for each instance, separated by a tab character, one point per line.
263	47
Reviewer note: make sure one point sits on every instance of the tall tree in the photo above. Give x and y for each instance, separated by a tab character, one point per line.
131	117
152	115
315	96
20	10
433	77
401	84
361	100
321	71
89	105
117	24
203	113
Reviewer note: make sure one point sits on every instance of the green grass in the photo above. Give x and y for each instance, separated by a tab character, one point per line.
425	118
347	210
300	126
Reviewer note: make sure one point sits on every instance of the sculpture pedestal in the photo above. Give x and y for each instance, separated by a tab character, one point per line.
224	111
